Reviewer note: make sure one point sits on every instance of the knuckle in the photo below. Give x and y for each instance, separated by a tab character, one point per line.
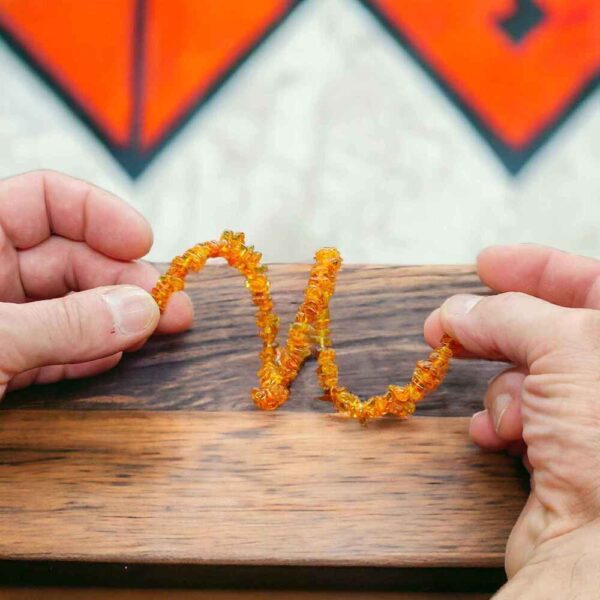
42	173
72	318
499	304
498	308
507	299
10	343
41	176
64	321
583	325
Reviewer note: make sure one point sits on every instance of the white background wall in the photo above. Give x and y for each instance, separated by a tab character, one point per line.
329	135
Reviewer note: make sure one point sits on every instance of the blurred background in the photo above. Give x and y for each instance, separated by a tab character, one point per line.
401	131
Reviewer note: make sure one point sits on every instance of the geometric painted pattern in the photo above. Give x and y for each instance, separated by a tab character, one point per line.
136	71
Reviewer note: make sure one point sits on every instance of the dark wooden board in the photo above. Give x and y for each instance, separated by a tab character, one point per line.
378	314
156	594
86	575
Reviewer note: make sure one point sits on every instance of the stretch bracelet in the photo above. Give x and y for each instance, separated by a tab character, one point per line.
309	332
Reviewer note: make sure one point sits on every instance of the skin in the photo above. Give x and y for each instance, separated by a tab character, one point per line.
62	242
544	322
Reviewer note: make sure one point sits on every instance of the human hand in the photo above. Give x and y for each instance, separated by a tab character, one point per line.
545	322
60	235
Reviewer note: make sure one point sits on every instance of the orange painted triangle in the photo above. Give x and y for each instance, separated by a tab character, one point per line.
85	49
189	47
136	70
515	88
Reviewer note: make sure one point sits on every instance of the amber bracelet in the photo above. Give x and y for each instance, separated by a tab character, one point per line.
310	330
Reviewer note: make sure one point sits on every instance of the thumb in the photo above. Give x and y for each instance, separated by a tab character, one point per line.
79	327
511	326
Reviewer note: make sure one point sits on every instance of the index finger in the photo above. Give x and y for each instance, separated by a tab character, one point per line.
36	205
555	276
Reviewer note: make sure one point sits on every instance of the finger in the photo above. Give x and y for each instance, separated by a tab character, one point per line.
78	328
433	332
511	326
558	277
137	346
11	289
57	266
503	402
35	205
54	373
483	433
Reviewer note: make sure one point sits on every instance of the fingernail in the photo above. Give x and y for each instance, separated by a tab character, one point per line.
460	305
478	414
499	406
133	309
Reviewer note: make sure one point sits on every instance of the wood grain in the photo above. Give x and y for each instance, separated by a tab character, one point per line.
161	473
378	314
251	488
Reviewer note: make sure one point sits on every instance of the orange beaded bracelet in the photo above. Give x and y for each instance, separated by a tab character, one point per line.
310	329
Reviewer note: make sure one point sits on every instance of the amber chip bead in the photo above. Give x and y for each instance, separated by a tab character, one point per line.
309	332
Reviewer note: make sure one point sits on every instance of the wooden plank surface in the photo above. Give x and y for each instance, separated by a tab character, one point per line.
164	461
377	320
251	488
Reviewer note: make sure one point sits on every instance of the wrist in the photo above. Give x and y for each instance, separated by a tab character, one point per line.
567	566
